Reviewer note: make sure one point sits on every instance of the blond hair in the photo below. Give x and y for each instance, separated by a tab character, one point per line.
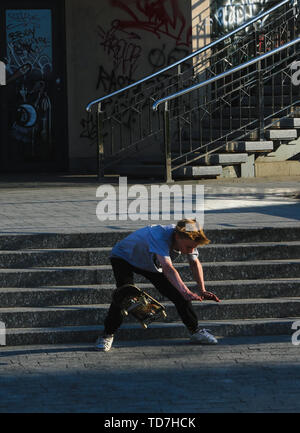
190	229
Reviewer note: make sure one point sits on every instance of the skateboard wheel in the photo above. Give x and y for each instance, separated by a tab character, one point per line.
145	326
164	314
124	313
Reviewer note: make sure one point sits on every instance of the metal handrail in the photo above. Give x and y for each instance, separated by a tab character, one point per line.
190	56
224	74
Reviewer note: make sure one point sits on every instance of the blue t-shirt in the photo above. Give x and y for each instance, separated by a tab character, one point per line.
141	247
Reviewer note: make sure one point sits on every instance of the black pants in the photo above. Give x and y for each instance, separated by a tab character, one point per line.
124	274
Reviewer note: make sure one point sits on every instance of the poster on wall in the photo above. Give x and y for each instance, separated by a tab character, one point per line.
29	68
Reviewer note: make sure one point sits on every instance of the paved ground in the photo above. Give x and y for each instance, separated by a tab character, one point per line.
70	205
257	374
248	374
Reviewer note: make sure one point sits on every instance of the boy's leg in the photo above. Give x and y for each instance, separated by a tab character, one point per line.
185	308
123	273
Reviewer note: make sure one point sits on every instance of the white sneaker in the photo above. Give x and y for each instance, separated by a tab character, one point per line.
104	343
202	336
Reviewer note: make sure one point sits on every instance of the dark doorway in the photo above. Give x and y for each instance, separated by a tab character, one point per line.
33	116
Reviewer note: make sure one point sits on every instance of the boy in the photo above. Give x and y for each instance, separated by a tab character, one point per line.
150	252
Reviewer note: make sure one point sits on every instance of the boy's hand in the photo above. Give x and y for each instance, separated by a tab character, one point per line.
191	296
209	296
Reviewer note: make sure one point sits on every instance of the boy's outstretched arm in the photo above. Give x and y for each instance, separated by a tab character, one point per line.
197	271
173	276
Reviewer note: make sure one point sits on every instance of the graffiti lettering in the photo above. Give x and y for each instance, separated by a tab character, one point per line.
89	127
26	43
158	58
233	13
155	17
125	53
110	81
21	18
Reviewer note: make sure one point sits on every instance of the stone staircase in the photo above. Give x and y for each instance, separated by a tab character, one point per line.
236	154
56	288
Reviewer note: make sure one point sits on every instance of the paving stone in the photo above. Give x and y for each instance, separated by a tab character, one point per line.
148	377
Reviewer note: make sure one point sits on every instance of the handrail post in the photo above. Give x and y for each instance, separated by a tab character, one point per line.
167	144
260	102
179	71
100	144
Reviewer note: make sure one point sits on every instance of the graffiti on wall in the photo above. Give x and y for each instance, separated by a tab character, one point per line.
160	17
29	49
122	42
123	47
29	40
230	14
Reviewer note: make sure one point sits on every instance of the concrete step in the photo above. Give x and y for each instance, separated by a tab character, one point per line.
54	257
60	240
250	146
95	256
45	296
64	291
94	314
108	239
89	334
233	152
282	134
226	159
198	172
102	274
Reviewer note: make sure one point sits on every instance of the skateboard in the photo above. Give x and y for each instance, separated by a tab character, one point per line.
139	304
